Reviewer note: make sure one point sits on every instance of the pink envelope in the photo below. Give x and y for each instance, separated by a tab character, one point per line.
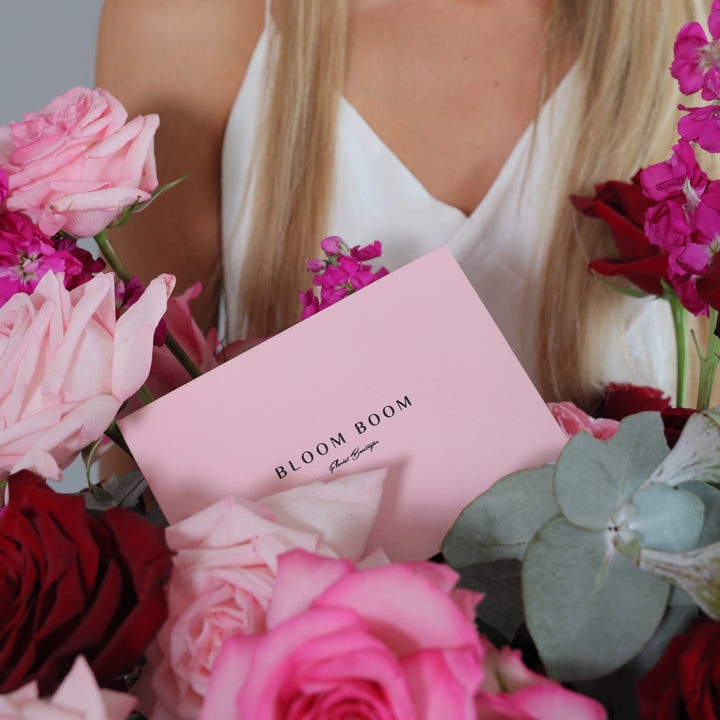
410	373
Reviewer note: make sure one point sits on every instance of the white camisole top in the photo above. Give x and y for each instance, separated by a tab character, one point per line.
499	246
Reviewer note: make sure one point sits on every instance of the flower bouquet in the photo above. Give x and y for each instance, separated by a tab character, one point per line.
557	577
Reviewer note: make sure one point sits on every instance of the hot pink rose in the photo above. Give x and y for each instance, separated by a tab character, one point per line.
574	420
77	698
66	366
512	692
224	573
396	641
75	164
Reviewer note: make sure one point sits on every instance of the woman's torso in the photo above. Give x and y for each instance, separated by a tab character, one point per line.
377	196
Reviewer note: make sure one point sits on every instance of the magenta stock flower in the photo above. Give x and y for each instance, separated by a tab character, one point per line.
343	272
695	55
702	125
26	254
3	185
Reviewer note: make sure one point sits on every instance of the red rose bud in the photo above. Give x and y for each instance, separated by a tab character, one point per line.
72	584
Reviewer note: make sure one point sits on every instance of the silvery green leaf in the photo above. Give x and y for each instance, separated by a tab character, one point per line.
696	455
501	608
588	608
594	477
500	522
666	518
710	496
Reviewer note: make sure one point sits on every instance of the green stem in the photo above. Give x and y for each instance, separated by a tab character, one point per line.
111	256
185	360
123	273
708	363
113	432
145	395
679	315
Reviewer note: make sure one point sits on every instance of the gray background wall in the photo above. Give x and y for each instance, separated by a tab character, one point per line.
48	47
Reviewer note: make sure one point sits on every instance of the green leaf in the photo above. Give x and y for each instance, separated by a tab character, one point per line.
502	607
500	522
696	455
594	477
138	206
710	497
588	608
667	518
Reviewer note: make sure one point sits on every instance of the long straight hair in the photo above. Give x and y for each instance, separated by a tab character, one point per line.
623	120
294	168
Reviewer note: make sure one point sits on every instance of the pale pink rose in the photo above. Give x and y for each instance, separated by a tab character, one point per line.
76	164
396	641
510	691
573	420
77	698
67	365
224	573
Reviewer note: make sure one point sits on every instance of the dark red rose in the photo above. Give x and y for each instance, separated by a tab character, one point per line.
622	206
623	399
72	584
685	683
674	420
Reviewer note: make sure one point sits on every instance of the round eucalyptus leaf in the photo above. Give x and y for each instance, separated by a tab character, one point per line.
499	523
594	477
588	608
667	518
710	496
499	581
696	455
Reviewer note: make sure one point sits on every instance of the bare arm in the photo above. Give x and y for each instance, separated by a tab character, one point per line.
184	60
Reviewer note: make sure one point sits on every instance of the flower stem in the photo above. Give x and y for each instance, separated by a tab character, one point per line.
679	315
113	432
708	363
185	360
124	274
111	256
145	395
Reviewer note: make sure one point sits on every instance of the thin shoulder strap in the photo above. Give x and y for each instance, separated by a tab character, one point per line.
268	13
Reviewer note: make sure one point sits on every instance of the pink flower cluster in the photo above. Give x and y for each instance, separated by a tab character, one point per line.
68	360
684	222
275	613
343	272
696	67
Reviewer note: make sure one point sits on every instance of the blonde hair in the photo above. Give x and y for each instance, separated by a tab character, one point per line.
623	121
295	164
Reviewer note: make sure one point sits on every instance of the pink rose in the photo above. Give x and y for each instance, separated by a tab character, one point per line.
67	365
76	164
224	573
573	420
77	698
396	641
510	691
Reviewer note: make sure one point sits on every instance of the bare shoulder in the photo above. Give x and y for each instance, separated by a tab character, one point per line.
149	49
184	60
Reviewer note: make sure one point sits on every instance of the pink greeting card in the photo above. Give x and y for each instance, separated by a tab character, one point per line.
411	373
